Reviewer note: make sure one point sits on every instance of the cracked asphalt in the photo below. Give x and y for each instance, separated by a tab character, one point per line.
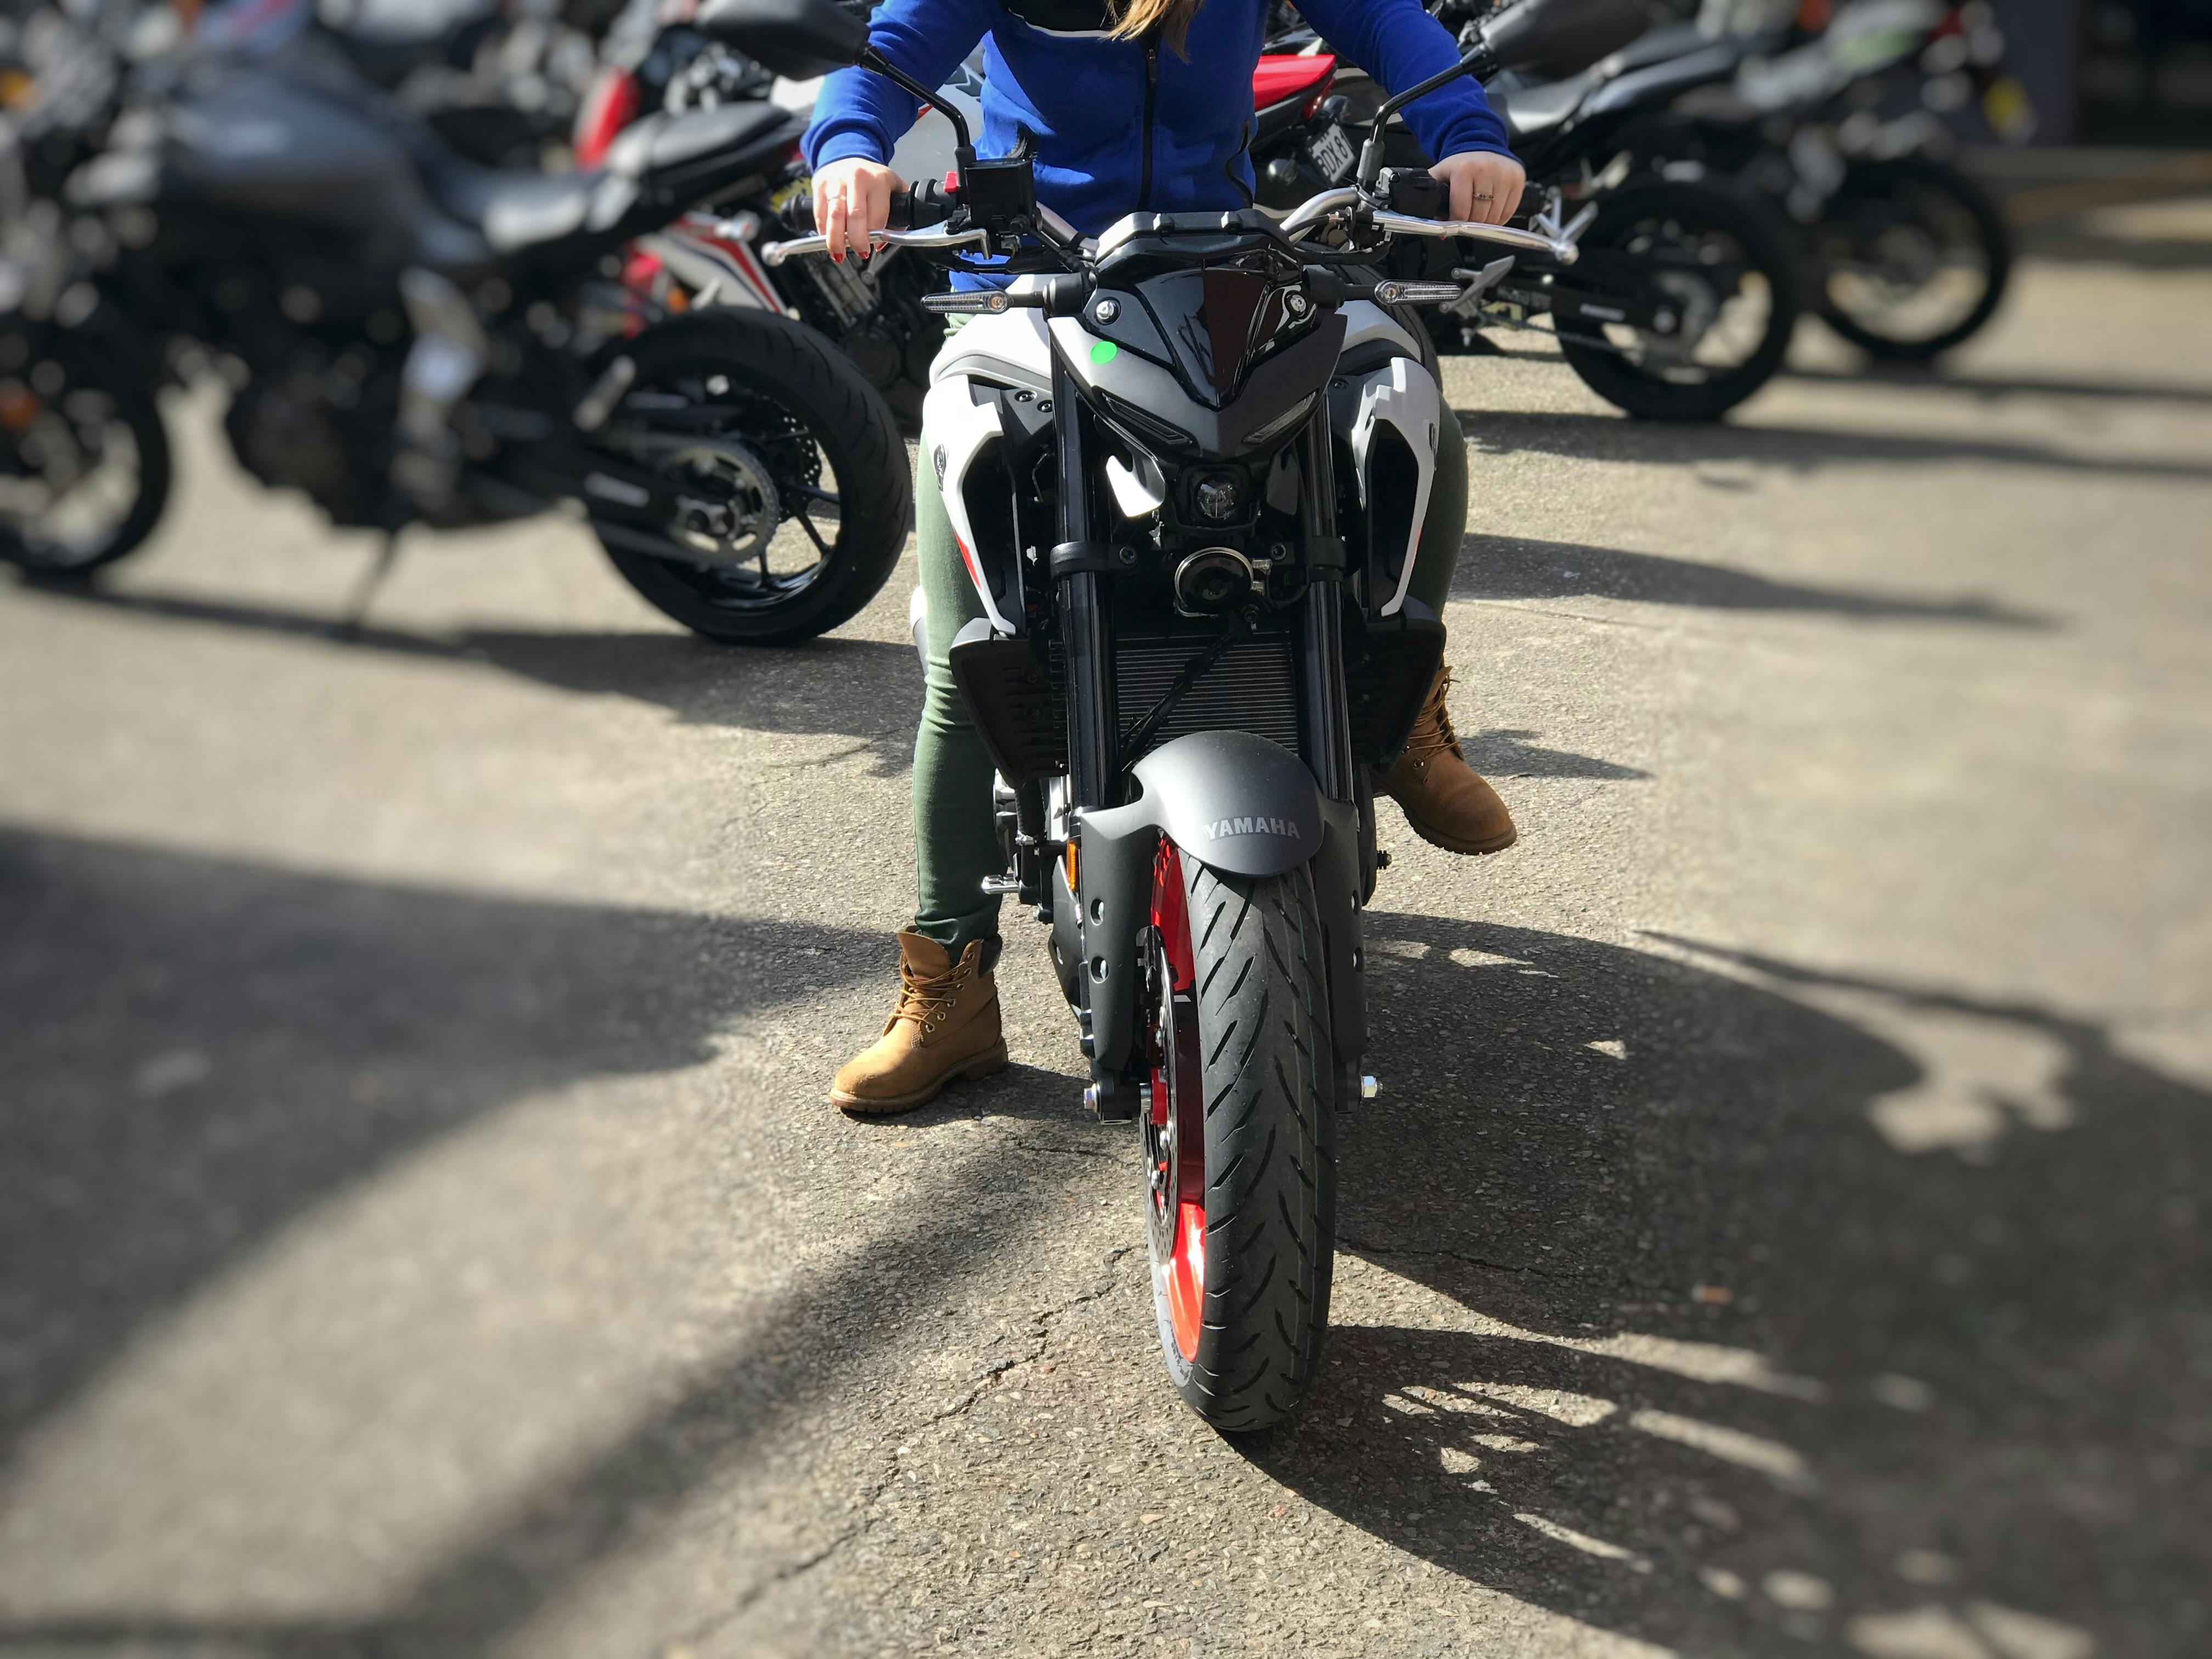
1781	1229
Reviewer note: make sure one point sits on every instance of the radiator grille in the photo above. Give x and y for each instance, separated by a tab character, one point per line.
1254	688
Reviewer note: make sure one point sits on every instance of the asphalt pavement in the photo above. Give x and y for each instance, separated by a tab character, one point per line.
1780	1231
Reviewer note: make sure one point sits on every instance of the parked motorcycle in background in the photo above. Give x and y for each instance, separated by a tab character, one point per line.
1844	122
1686	293
407	337
668	56
1851	133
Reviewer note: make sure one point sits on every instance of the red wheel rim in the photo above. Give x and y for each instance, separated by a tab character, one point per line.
1174	1135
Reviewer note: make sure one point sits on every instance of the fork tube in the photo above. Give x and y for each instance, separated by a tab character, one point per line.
1321	665
1084	639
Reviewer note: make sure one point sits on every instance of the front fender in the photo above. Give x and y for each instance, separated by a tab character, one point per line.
1228	799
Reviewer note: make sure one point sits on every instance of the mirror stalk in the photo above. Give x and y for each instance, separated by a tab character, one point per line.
963	149
1478	61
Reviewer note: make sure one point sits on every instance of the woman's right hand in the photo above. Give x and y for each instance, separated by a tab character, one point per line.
852	202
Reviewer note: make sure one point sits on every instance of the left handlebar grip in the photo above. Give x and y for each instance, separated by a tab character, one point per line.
929	202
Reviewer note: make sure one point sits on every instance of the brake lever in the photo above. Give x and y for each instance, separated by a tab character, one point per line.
800	247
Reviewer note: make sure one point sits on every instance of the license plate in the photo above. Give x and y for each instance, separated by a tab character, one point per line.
1332	153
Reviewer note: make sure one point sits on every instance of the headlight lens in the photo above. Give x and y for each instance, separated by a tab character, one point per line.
1218	495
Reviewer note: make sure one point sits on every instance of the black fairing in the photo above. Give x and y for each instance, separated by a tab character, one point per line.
1552	31
801	39
257	145
1157	408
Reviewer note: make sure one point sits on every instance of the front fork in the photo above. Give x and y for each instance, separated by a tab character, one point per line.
1101	900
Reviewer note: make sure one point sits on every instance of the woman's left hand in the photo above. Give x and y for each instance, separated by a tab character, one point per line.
1486	187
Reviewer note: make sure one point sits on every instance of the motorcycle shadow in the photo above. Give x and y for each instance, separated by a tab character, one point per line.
869	691
1514	568
1726	1304
1576	436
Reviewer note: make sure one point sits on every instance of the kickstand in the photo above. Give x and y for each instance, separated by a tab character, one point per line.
364	594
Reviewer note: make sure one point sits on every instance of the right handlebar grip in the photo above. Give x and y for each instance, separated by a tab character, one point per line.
1418	193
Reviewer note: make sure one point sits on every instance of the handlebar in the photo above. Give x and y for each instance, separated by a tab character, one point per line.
928	202
1312	212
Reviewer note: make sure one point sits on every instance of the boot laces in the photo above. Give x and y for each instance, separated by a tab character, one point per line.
1432	730
926	999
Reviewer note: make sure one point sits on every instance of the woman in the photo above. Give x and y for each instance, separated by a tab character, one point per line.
1132	105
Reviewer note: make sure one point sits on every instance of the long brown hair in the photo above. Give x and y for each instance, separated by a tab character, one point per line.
1170	17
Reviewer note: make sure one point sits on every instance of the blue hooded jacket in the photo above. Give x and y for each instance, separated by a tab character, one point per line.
1123	126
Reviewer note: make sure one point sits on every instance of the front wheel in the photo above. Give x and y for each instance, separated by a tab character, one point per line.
1712	268
795	496
1913	258
1240	1141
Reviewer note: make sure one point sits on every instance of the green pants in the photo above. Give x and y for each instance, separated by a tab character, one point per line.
955	841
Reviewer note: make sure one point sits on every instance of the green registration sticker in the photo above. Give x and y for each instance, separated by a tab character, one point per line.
1104	352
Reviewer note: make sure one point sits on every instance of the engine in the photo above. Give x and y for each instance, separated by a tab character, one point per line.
321	431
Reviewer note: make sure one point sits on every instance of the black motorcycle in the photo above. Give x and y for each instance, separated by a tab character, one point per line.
1847	133
1686	292
1187	464
410	337
654	63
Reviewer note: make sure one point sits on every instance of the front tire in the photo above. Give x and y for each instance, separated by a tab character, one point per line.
1716	261
798	418
1240	1143
1913	256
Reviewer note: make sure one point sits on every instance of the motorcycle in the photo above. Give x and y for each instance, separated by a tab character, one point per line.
1187	462
660	59
1686	292
1842	127
410	337
1849	134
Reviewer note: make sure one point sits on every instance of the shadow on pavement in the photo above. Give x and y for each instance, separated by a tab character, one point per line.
1951	1403
1945	1401
195	1050
1584	436
1979	384
1505	754
1508	567
866	690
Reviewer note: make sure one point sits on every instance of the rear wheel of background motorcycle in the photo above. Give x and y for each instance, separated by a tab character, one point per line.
1914	259
1240	1142
1687	232
834	459
84	458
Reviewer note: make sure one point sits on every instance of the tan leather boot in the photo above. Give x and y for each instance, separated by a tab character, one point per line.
1447	802
946	1026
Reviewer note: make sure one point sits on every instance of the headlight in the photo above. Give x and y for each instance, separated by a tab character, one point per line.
1219	496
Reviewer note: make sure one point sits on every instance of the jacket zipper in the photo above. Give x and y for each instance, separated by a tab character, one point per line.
1151	96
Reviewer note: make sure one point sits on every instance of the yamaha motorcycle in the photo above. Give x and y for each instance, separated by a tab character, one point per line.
410	337
1187	462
